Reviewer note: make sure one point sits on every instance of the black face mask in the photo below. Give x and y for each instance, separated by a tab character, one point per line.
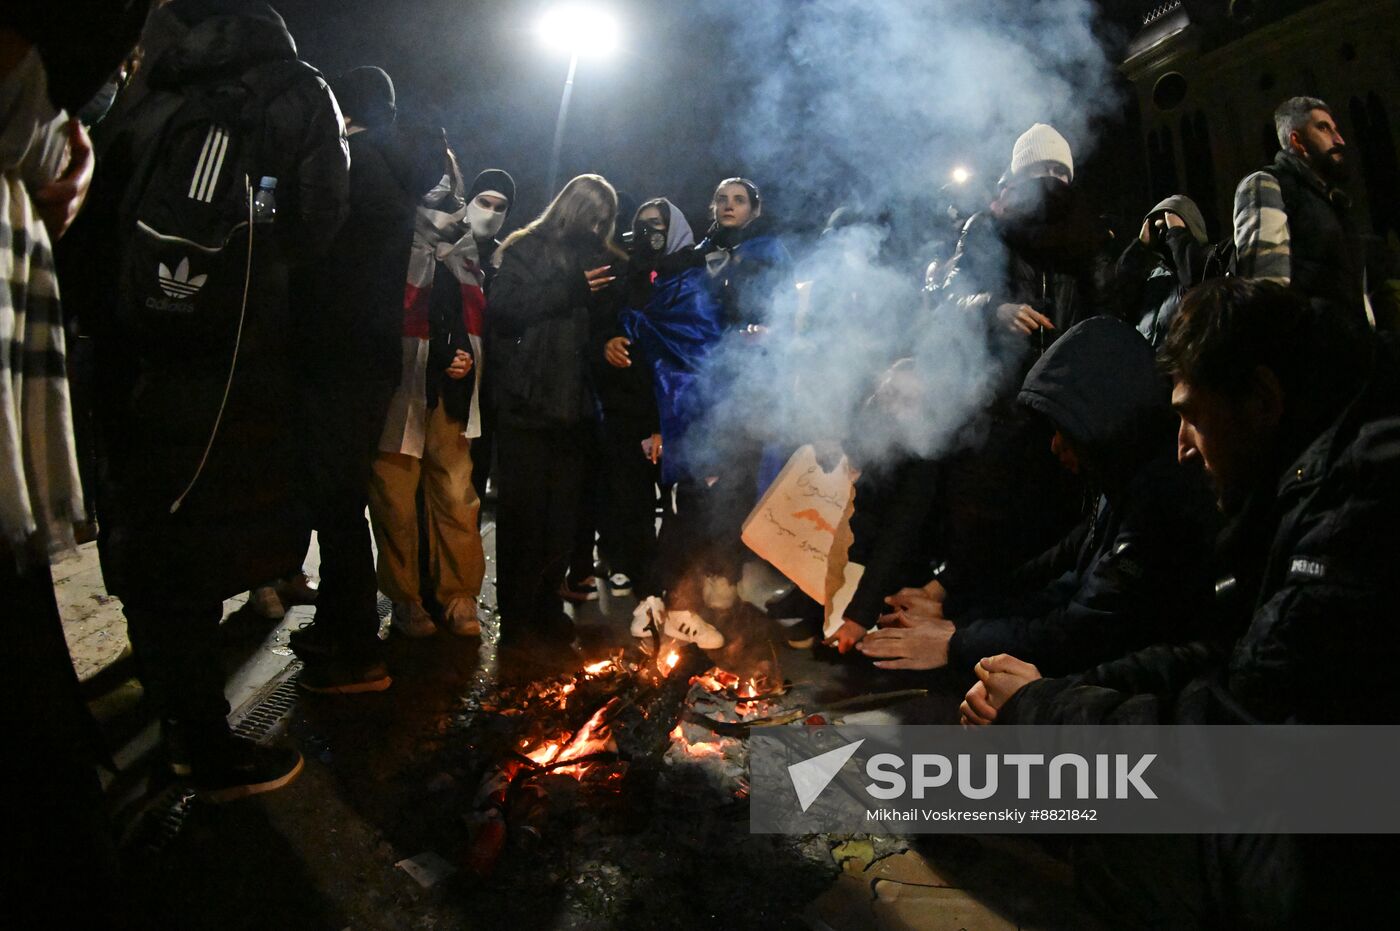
653	239
1043	199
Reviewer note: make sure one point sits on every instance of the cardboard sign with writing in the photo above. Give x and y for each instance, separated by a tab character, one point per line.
802	525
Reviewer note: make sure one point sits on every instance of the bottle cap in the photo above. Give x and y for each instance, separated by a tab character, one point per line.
268	183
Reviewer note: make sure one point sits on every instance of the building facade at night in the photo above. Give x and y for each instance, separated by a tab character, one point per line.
1207	75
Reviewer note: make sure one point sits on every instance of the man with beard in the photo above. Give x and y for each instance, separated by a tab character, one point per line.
1292	219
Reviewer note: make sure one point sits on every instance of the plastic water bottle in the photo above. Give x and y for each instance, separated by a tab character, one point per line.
265	201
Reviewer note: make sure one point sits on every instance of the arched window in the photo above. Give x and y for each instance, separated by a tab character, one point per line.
1161	163
1200	167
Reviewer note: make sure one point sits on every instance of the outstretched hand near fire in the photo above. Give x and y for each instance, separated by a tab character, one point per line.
847	636
918	646
911	607
998	678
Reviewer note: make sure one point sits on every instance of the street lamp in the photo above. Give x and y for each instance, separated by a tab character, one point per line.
578	30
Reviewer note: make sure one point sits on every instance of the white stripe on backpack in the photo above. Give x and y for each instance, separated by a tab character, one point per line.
211	162
203	161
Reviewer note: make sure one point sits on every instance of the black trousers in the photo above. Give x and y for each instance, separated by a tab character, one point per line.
539	485
591	525
629	543
52	806
175	642
342	424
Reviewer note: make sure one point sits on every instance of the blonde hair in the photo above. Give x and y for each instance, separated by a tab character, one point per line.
586	206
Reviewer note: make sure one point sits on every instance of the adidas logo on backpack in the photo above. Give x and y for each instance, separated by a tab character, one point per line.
190	206
180	284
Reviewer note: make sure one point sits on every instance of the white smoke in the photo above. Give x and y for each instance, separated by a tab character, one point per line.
874	102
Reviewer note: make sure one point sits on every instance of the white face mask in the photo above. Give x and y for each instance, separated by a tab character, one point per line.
484	221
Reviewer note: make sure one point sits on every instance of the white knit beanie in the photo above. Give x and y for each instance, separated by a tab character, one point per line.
1041	143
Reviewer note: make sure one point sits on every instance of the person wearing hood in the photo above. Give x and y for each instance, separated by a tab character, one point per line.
1030	265
199	500
1133	573
434	416
622	373
357	291
1290	410
1169	257
489	199
721	287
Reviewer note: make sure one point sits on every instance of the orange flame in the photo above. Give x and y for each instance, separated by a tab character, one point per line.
593	737
697	751
668	662
593	669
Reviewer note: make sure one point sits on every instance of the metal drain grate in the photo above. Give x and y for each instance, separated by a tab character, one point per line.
261	715
162	818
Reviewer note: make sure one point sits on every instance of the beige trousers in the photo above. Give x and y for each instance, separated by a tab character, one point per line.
455	559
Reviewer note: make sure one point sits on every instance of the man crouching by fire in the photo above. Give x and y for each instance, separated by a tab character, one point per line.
1136	569
1294	415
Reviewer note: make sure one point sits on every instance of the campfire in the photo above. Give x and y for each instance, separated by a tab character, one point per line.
612	726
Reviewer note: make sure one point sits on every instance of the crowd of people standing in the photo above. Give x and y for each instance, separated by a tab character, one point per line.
1178	505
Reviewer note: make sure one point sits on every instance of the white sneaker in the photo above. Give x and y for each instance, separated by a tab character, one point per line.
649	612
619	585
411	620
460	615
683	625
265	602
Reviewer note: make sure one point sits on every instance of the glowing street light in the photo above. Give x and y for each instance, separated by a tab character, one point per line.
581	31
960	175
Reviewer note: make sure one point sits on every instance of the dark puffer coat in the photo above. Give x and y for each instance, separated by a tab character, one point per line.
237	526
539	332
1051	256
1136	571
1322	597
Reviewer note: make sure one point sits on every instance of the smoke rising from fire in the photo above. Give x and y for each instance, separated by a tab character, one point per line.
872	103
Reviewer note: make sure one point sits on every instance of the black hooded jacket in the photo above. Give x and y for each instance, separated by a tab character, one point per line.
1137	570
1312	588
1051	255
354	294
540	332
237	526
1152	280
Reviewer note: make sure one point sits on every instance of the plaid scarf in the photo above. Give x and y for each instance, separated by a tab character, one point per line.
40	494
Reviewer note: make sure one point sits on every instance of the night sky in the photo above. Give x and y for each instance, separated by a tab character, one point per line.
650	117
665	115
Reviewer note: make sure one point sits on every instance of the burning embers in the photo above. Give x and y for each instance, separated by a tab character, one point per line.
610	730
592	739
708	666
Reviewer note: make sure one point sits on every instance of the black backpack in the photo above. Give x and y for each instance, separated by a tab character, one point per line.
193	257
